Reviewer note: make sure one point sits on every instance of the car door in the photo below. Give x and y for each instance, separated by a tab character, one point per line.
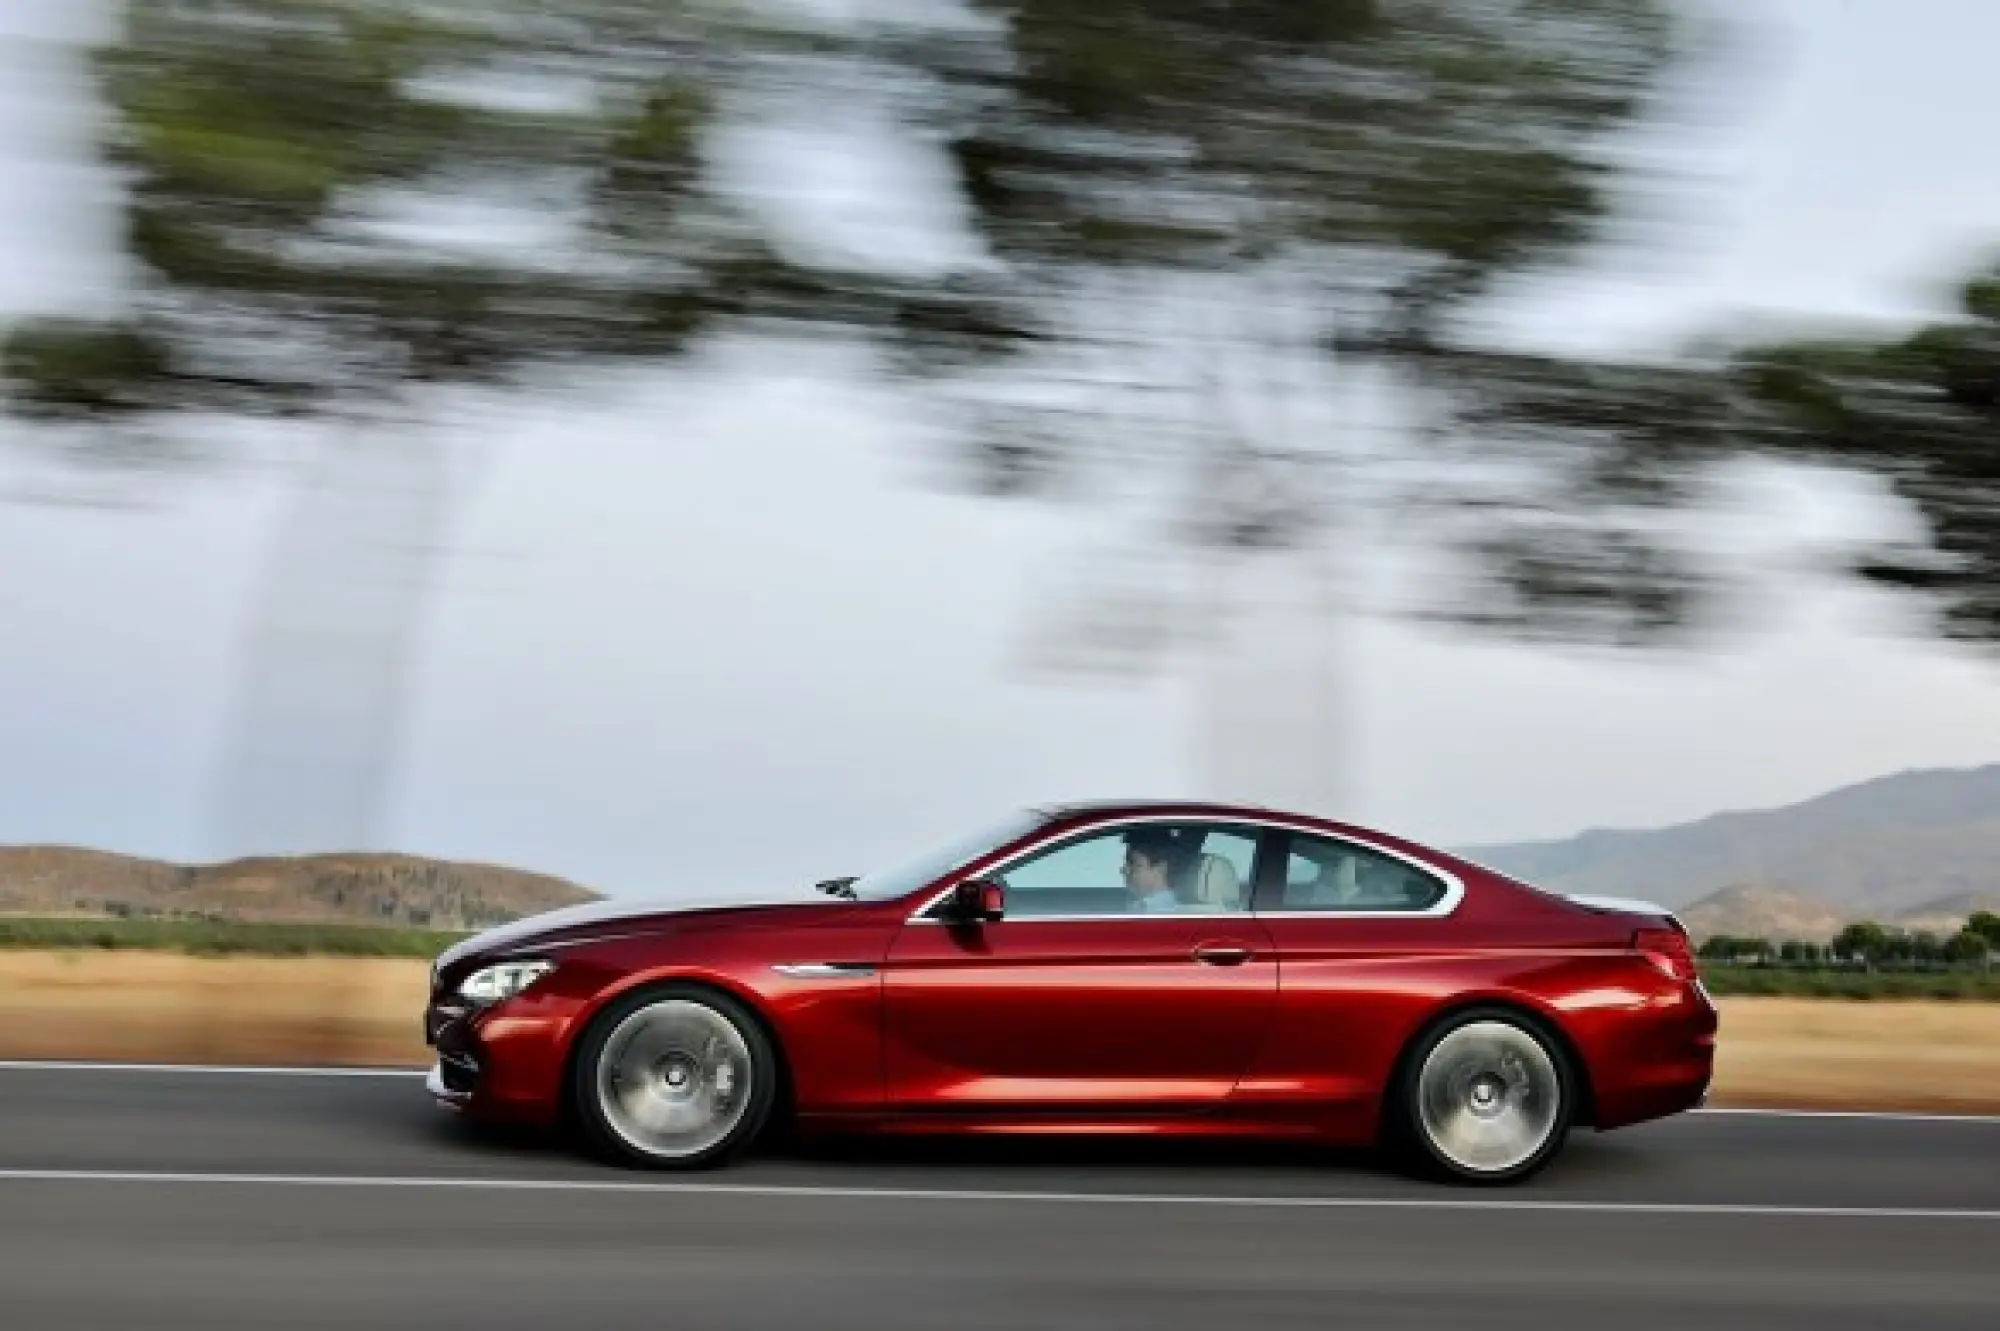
1074	1004
1366	944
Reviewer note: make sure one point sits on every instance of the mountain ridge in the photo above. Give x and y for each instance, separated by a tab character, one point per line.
335	888
1887	847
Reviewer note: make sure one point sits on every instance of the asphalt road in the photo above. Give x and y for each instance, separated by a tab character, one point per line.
221	1200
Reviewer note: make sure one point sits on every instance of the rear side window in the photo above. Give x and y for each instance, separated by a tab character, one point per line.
1335	876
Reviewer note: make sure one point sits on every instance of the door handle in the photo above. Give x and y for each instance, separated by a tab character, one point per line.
1222	954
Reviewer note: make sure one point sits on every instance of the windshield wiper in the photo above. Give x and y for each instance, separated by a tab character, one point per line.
838	887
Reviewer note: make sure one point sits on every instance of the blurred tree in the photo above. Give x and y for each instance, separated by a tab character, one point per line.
1332	192
1725	947
1220	237
1329	185
291	173
1196	221
1864	941
1718	947
1966	947
1796	953
278	155
1921	412
1986	924
1165	192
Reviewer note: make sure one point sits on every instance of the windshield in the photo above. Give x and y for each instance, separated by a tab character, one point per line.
901	879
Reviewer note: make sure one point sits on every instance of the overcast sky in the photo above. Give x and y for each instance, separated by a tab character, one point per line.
714	629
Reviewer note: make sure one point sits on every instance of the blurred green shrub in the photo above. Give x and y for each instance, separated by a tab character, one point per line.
225	938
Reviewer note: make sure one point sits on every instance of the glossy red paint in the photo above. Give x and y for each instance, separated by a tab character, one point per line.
1261	1023
1091	1018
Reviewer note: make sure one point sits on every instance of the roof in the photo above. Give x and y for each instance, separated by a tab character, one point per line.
1200	810
1193	808
1183	803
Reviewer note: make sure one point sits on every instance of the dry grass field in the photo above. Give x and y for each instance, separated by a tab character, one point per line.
170	1008
162	1007
1834	1054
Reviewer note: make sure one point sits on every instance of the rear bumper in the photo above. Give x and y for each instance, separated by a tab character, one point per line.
1663	1064
1658	1094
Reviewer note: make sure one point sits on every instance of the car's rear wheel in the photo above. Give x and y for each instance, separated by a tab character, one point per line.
1487	1097
674	1078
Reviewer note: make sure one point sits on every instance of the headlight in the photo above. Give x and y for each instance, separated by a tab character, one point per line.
492	984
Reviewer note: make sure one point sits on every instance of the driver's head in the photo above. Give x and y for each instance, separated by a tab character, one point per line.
1147	855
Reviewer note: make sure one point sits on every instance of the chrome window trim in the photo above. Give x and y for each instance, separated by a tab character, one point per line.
1454	887
1426	914
1182	916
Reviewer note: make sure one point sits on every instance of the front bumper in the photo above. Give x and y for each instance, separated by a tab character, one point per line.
434	1082
451	1028
503	1062
453	1079
442	1015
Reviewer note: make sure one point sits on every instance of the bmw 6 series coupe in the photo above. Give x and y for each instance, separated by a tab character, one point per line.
1172	969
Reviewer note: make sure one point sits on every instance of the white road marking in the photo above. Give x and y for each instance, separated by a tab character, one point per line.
797	1191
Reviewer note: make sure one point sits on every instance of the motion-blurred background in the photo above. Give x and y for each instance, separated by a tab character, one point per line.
695	446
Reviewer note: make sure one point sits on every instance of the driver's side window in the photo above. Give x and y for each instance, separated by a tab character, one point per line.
1137	869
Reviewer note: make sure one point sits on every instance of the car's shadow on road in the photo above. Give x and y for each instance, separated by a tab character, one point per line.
869	1154
1029	1153
1589	1163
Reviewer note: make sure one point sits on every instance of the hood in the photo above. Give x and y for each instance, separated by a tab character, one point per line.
569	923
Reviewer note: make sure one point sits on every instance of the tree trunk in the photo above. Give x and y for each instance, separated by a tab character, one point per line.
1269	691
329	647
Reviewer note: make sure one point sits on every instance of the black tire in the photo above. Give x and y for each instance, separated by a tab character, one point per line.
1484	1155
607	1121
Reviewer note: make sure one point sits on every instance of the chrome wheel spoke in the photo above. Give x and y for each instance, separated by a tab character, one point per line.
1488	1096
673	1078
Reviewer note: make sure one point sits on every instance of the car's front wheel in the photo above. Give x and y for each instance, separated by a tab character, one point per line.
1486	1097
674	1078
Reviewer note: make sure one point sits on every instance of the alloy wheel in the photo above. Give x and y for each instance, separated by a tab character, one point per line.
1489	1097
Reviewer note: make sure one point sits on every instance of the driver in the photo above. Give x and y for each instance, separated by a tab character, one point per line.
1149	855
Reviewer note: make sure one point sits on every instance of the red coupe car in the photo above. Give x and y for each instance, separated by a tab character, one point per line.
1190	969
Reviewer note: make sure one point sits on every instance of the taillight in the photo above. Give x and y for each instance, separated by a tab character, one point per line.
1669	950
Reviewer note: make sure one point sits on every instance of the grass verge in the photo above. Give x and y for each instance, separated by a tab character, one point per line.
1776	982
208	938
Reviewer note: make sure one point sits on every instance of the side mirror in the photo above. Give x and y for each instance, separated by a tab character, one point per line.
979	899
